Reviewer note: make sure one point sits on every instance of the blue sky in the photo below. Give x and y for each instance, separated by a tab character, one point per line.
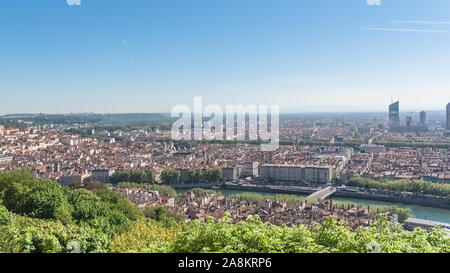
149	55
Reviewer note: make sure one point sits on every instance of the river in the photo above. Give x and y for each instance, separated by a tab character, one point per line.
422	212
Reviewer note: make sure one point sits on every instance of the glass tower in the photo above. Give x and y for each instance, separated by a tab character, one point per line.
394	115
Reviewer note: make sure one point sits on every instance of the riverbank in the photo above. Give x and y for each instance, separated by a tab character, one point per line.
416	199
418	209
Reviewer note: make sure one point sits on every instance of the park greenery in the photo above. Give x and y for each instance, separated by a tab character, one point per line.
352	143
401	185
195	176
40	216
205	176
134	176
203	192
170	176
413	144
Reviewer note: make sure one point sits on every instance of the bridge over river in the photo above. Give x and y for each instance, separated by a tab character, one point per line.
324	193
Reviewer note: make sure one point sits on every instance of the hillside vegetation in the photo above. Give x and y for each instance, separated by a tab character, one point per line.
39	216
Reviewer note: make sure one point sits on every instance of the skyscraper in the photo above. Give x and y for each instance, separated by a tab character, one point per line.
423	118
394	115
448	116
409	121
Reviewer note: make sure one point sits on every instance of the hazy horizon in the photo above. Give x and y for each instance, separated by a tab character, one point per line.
148	56
168	113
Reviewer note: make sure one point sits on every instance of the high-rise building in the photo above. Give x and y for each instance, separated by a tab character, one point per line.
394	115
448	116
423	118
409	121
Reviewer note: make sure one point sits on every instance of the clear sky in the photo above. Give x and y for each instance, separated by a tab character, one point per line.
149	55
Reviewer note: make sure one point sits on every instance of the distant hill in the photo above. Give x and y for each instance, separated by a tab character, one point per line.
91	118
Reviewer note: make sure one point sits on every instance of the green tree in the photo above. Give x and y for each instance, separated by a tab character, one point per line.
401	185
166	217
137	176
170	176
145	237
149	177
46	201
120	176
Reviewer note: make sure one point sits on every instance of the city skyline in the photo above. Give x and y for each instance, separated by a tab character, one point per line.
319	56
443	111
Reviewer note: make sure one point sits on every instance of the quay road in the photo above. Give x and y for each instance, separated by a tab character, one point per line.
282	188
318	193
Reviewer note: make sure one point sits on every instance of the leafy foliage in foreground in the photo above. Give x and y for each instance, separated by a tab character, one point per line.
146	236
165	217
331	236
36	207
39	216
27	235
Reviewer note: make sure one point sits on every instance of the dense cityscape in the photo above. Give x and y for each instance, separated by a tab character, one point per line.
319	157
328	148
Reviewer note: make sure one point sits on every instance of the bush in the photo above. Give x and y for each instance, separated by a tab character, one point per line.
144	237
104	210
5	216
254	236
166	217
203	192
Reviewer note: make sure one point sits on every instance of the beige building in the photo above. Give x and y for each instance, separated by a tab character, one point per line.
296	173
249	169
101	175
72	179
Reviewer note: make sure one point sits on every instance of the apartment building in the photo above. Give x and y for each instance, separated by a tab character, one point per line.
72	179
249	169
101	175
372	148
296	173
230	174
